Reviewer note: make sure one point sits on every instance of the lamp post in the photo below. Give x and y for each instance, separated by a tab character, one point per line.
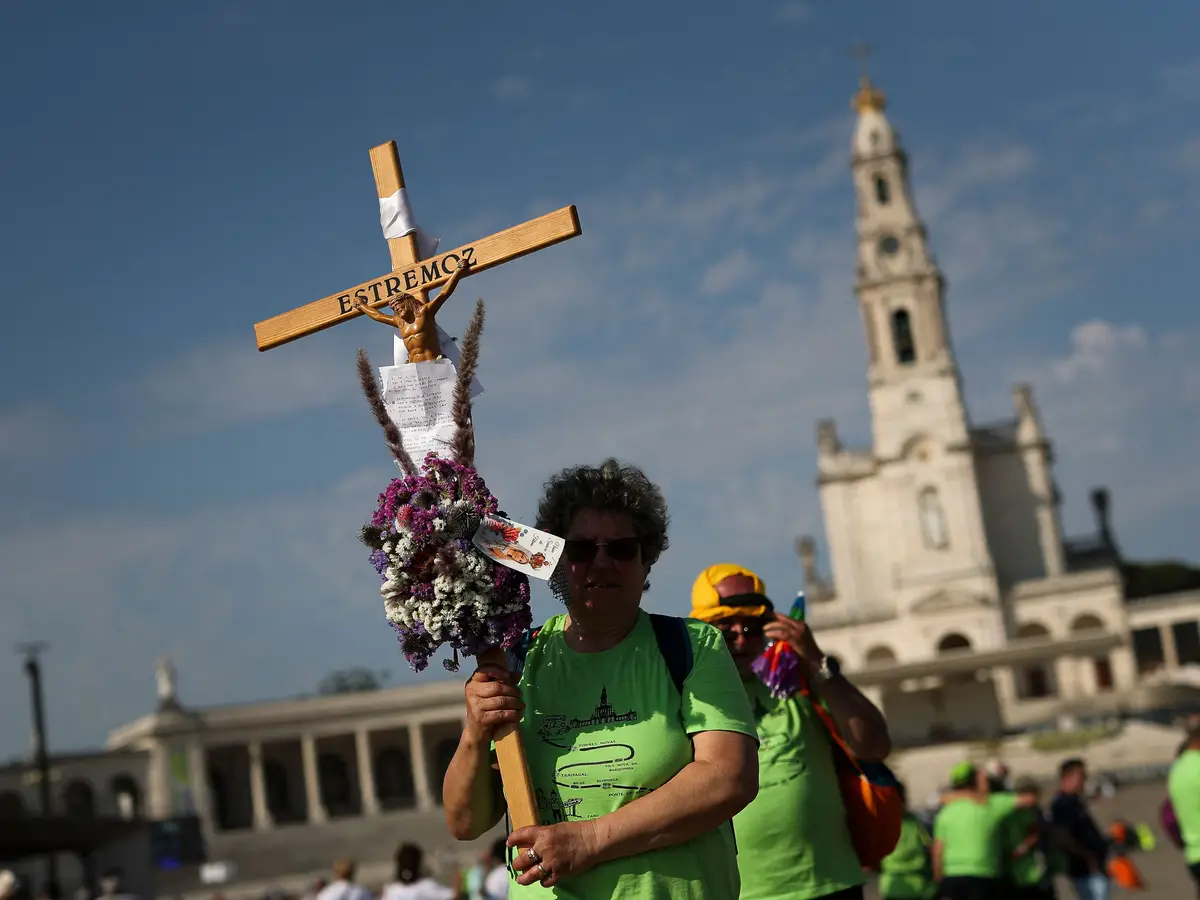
34	670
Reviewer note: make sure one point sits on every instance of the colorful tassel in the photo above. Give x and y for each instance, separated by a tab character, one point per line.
779	666
779	669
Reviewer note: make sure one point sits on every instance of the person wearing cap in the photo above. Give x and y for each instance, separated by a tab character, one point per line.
793	840
1024	840
967	845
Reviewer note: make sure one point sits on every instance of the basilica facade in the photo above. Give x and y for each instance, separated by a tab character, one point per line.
955	598
952	597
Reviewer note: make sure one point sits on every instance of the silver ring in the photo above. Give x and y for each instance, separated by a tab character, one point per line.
542	869
533	855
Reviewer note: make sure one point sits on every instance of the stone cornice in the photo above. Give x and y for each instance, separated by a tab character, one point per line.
1054	586
414	702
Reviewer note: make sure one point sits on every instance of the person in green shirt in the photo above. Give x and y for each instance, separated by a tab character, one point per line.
1024	840
907	872
635	778
967	847
1183	787
794	842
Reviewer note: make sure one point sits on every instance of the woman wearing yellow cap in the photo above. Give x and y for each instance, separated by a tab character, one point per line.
640	740
794	841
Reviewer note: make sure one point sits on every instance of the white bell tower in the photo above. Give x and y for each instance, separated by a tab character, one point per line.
912	374
904	519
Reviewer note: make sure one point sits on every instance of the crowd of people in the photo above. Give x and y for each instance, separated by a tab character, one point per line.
691	779
664	766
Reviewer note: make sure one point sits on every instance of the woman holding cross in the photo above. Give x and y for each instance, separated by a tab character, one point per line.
640	741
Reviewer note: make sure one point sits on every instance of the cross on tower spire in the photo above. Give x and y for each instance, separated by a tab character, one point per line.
862	52
867	98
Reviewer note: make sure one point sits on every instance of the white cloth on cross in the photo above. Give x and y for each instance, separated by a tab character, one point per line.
396	218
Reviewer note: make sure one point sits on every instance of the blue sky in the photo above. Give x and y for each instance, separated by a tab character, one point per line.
173	173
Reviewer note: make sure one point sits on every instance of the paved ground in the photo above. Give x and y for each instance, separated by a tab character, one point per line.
1163	869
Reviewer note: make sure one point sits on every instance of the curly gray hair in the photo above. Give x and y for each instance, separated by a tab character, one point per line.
609	487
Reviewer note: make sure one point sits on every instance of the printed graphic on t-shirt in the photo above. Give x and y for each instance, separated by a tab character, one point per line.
589	765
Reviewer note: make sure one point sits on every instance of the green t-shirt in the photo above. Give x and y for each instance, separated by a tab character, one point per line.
1183	787
794	839
969	833
602	729
1029	869
906	872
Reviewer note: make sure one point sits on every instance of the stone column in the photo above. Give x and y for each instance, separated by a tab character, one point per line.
1067	672
366	773
158	793
198	785
258	790
1170	651
1124	668
312	781
416	750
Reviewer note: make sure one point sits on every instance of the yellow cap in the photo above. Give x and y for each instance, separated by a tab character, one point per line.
709	606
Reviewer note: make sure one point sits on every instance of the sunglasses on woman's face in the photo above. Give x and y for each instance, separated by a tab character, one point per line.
584	550
732	632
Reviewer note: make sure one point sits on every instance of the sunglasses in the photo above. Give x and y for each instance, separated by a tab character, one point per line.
731	632
584	550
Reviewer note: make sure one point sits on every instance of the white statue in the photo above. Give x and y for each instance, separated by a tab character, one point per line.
164	675
933	520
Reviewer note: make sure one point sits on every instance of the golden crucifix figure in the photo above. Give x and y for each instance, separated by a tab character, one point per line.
413	316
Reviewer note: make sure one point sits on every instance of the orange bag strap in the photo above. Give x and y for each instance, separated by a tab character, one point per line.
830	725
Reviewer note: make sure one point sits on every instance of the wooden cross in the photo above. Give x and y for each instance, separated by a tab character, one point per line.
862	53
411	274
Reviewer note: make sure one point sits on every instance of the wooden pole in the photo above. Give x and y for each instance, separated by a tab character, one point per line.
514	770
510	753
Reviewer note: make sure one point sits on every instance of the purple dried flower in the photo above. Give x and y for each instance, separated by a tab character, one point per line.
434	513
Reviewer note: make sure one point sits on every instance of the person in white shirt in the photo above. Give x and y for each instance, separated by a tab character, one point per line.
411	883
495	885
343	887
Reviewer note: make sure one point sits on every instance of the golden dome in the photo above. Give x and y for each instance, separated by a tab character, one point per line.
868	98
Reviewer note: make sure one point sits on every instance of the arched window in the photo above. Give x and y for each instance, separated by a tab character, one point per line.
883	190
79	802
11	805
126	797
1037	681
279	800
337	793
902	338
393	778
933	520
953	641
880	655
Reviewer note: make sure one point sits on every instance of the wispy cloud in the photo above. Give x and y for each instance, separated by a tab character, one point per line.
227	382
794	12
1182	80
31	431
512	87
1123	405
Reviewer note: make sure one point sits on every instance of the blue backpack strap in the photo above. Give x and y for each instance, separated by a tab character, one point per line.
675	645
517	653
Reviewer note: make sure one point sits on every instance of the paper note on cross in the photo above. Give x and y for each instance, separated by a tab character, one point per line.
410	273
